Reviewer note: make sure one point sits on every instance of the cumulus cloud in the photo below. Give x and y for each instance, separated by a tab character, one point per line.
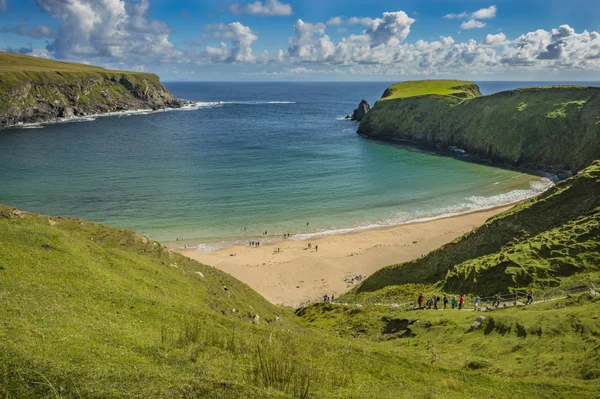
472	20
471	24
335	21
241	38
268	8
391	28
23	29
107	28
495	40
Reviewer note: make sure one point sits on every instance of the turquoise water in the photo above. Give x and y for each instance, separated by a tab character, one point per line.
247	158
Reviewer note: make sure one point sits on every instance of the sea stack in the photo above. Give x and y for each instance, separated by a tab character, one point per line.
361	111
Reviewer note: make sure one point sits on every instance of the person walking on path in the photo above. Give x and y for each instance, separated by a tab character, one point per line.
429	303
476	303
461	301
529	298
435	301
454	302
420	299
496	301
446	300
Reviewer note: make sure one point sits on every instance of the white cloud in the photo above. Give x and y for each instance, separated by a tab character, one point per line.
268	8
472	20
495	40
456	16
366	21
241	38
335	21
471	24
485	13
107	28
391	28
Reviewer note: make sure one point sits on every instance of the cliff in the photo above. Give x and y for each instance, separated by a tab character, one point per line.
38	90
551	128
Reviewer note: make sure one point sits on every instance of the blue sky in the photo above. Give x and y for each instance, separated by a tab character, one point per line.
314	40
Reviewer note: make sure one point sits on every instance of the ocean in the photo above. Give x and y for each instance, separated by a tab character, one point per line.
245	159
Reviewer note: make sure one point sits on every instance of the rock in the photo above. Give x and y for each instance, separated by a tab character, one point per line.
361	111
476	324
66	112
256	319
127	83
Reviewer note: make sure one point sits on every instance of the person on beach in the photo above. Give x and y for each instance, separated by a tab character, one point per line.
332	297
476	303
325	298
316	248
307	223
420	300
446	300
461	301
453	302
309	245
529	298
496	301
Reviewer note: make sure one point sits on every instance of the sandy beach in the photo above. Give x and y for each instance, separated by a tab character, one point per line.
297	274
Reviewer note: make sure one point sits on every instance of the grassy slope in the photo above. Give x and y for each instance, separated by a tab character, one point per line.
455	88
554	126
559	340
538	243
91	311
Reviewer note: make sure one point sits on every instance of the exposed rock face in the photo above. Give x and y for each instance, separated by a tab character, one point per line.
47	96
360	112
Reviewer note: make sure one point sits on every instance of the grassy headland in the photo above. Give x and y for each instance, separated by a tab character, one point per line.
552	128
39	90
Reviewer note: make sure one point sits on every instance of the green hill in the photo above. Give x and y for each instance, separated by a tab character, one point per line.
545	241
40	90
552	128
92	311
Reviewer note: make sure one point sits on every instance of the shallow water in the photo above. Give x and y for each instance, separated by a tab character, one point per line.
246	158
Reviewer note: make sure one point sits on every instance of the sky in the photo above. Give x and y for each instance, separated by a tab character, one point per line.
316	40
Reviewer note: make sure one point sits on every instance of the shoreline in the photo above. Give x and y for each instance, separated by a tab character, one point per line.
289	273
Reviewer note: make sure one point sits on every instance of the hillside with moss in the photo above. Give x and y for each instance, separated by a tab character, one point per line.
38	90
545	241
92	311
550	128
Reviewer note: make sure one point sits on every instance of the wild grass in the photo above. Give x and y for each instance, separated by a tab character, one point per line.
455	88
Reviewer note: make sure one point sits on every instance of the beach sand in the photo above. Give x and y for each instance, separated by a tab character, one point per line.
296	274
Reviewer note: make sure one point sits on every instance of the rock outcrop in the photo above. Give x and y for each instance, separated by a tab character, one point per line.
360	112
550	128
52	91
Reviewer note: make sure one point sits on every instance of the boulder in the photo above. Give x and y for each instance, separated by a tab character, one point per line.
477	323
361	111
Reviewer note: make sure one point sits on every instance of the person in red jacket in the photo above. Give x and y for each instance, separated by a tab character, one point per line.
461	301
421	299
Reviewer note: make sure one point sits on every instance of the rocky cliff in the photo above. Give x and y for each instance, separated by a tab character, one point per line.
551	128
34	90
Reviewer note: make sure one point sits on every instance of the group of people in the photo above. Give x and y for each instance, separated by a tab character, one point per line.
254	244
310	245
327	298
355	279
460	303
435	299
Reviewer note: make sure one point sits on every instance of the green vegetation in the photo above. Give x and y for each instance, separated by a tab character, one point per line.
91	311
455	88
549	127
511	342
546	241
38	90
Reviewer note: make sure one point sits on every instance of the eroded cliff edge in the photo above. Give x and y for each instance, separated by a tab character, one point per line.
36	90
551	128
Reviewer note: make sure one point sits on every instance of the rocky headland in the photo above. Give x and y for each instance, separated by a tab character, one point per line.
555	129
34	90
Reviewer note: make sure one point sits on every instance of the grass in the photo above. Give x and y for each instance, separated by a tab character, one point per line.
455	88
545	241
92	311
552	127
